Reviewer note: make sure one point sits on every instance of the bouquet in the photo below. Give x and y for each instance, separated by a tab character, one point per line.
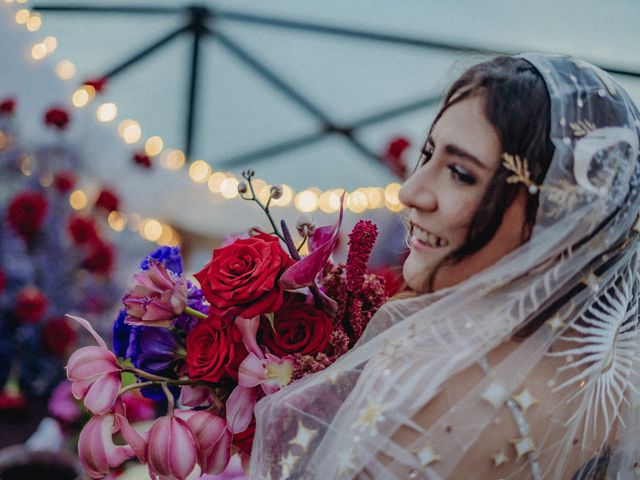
260	317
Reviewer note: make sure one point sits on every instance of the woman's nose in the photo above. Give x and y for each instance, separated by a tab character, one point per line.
416	192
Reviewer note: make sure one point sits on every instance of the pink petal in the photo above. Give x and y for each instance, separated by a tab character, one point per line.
219	456
183	451
321	245
135	439
194	396
251	371
103	393
89	362
240	406
96	449
158	445
88	326
249	328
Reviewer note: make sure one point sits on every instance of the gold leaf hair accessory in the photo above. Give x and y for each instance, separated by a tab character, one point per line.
520	168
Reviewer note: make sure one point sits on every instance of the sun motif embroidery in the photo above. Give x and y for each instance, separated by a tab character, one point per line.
606	335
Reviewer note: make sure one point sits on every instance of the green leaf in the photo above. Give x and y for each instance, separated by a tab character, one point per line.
272	320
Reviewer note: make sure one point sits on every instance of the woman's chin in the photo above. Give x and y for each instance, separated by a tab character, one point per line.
416	276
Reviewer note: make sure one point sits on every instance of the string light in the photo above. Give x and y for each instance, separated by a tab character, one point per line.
173	160
34	23
306	201
130	131
117	220
78	200
215	181
375	197
107	112
229	187
199	171
151	229
22	16
82	96
153	146
39	51
134	221
46	179
65	69
285	199
357	201
50	43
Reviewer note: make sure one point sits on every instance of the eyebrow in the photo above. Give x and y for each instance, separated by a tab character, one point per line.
453	149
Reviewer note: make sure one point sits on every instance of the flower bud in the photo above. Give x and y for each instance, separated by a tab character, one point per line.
305	226
242	188
250	172
275	192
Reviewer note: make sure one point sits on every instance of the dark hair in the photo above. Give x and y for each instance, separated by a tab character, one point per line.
517	105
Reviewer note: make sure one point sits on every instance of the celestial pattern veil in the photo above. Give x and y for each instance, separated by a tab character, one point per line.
439	387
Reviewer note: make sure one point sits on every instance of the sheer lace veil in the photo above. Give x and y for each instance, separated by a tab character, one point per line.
571	389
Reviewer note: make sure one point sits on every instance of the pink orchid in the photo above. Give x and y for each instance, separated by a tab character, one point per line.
240	406
172	448
157	298
98	454
321	245
195	395
271	372
95	374
215	448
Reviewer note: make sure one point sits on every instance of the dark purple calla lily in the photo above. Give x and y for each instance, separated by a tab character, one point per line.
321	245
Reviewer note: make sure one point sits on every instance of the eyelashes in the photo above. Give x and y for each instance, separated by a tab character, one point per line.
458	173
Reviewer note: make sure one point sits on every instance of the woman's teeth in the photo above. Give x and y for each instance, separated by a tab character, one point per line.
428	238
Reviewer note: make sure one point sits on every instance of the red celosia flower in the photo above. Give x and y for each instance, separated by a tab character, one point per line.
98	84
58	336
7	106
27	212
31	305
100	260
107	200
393	155
64	181
142	159
57	117
361	241
82	230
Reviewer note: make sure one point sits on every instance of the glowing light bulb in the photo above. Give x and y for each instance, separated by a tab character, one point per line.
153	146
39	51
151	229
130	131
215	181
306	201
78	200
357	201
107	112
173	160
22	16
46	179
199	171
65	69
134	221
50	43
375	197
34	23
391	199
229	187
117	220
82	96
166	236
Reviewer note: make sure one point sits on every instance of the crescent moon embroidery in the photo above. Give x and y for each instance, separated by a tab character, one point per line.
590	144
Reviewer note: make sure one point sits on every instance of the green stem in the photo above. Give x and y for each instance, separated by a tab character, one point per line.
170	401
194	313
134	386
265	209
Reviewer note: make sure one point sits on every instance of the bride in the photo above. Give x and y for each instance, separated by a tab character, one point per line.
517	354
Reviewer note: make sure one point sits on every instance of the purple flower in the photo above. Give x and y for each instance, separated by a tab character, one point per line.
121	335
170	257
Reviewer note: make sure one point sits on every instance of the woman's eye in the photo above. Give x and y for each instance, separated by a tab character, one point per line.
461	175
427	153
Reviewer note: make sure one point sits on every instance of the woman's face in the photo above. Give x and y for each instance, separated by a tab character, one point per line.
457	164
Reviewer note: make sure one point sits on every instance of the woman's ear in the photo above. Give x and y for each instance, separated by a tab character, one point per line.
512	232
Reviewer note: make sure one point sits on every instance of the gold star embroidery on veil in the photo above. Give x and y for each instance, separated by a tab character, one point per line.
287	464
525	400
499	458
303	436
555	323
426	456
592	281
495	394
370	416
582	128
523	446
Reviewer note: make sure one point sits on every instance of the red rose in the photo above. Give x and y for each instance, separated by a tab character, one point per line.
107	200
7	106
82	230
100	260
58	336
394	155
244	440
64	181
214	349
57	117
31	305
299	328
242	278
26	213
142	160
